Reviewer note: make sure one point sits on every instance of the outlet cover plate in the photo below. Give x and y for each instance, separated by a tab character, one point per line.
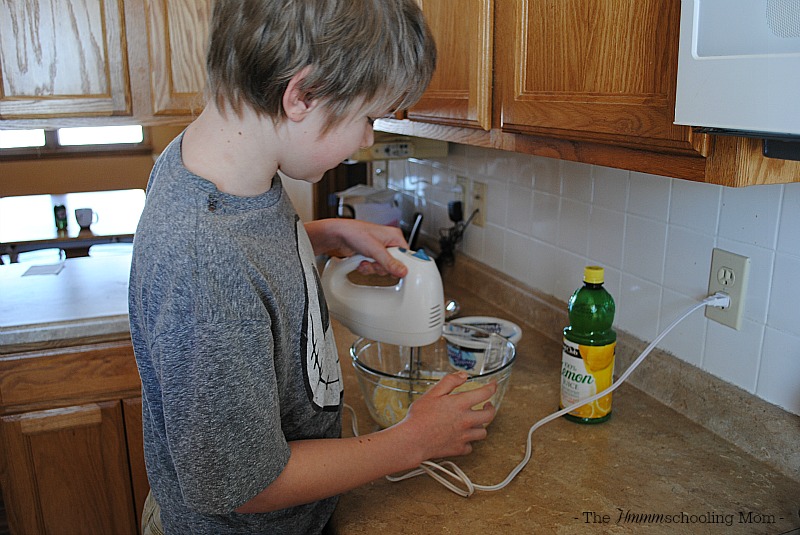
730	273
478	203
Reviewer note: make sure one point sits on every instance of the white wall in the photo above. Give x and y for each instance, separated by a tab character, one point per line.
547	218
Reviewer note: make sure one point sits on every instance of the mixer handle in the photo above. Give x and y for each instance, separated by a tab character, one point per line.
343	266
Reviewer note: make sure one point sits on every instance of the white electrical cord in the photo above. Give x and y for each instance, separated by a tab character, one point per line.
719	299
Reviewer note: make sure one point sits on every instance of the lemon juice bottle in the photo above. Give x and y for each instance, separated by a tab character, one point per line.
587	358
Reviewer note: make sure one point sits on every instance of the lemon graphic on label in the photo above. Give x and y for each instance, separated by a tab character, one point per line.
597	358
599	362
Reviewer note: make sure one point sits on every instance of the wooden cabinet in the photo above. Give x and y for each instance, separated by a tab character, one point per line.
177	38
579	80
460	93
602	72
132	412
61	59
70	440
102	61
69	470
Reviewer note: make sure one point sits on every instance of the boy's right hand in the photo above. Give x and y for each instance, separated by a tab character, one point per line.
444	424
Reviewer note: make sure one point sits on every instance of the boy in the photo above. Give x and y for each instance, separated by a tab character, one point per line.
241	386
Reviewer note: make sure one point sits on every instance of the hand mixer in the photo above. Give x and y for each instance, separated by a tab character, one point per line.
409	313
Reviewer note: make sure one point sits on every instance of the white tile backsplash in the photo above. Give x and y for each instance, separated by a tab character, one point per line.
645	241
750	214
779	369
546	219
695	206
784	300
610	188
520	208
729	354
789	225
606	236
573	226
544	216
688	337
547	175
648	196
576	181
688	261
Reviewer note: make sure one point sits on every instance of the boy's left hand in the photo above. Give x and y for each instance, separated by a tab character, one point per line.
346	237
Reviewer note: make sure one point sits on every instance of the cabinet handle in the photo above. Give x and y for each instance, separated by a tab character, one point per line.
57	419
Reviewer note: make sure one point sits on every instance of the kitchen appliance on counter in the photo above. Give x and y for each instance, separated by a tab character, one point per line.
407	311
406	347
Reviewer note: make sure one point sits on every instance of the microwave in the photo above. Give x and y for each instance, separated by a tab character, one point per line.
739	68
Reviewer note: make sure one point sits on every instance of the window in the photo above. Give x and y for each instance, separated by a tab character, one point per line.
13	139
38	143
102	135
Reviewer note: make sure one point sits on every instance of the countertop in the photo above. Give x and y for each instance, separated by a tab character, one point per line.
615	477
649	469
87	297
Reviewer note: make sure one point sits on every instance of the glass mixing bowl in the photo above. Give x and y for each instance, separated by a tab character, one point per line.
391	377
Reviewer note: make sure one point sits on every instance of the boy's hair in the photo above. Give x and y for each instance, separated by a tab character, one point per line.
379	52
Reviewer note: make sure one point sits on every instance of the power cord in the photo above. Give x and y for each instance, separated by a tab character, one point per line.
456	475
450	237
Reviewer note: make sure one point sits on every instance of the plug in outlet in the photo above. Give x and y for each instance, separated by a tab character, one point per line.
729	273
478	203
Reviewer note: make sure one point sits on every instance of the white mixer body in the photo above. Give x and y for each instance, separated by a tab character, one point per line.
409	313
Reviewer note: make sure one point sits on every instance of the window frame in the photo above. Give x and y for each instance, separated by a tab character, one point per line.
52	149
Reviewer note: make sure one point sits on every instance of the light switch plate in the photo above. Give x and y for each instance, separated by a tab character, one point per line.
729	273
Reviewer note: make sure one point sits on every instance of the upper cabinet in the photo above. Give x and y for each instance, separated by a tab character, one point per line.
460	93
579	80
102	61
583	80
593	71
177	32
62	59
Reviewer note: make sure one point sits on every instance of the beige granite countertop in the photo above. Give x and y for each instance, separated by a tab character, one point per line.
648	469
86	297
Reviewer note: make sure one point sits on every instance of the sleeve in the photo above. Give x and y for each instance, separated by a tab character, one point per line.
221	412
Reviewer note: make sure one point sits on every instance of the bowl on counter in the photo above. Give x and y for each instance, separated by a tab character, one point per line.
391	377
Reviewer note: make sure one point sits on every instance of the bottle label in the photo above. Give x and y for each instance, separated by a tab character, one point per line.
585	371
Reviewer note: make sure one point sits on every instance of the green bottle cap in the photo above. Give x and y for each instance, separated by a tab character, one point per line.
593	274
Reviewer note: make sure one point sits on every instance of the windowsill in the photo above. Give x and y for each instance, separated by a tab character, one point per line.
75	152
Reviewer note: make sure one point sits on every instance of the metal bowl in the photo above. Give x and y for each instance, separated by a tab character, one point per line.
391	377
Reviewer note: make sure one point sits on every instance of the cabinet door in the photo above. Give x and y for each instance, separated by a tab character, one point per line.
60	59
592	71
132	411
69	471
460	93
178	33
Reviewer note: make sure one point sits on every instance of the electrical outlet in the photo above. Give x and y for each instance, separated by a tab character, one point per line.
729	273
478	203
392	150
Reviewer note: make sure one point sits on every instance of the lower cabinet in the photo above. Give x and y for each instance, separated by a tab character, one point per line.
132	410
77	467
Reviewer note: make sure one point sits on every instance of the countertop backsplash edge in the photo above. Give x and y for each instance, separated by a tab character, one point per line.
757	427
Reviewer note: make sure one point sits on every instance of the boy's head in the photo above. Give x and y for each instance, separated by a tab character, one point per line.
375	51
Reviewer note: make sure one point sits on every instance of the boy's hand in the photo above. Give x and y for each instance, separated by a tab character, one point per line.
346	237
444	424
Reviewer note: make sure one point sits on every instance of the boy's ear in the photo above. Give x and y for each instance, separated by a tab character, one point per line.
298	103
